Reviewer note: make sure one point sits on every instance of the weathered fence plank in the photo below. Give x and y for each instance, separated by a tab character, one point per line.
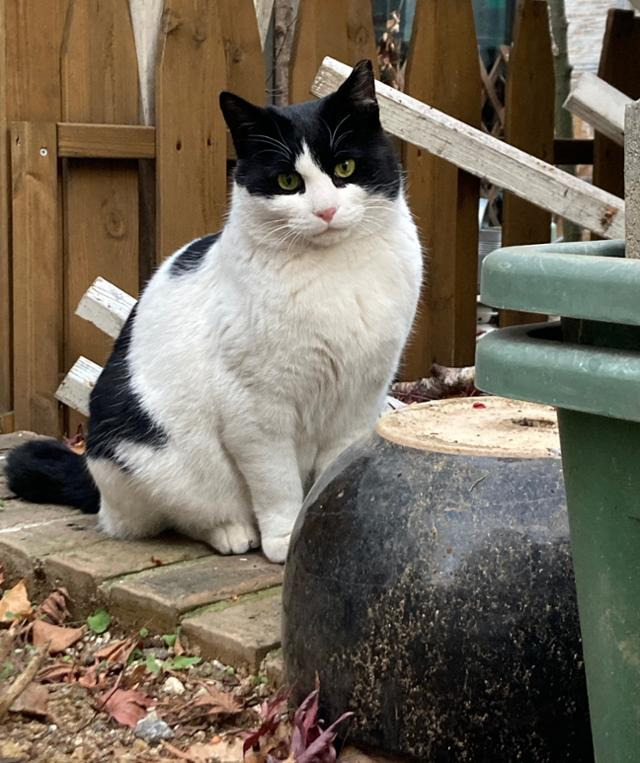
37	277
191	164
487	157
443	198
620	67
245	60
106	306
99	84
529	125
29	90
599	104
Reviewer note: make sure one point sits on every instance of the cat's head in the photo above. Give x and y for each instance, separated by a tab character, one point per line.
317	172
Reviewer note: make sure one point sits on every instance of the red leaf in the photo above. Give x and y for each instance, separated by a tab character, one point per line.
126	706
479	405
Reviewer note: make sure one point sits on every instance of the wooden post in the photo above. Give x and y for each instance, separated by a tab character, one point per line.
99	84
620	67
191	138
339	28
30	37
443	198
37	277
529	125
245	61
632	179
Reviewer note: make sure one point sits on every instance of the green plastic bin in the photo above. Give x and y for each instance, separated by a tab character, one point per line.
587	364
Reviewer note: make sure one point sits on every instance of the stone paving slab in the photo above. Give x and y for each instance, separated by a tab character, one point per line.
166	593
157	582
241	633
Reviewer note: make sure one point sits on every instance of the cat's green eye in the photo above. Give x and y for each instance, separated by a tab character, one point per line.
345	168
288	181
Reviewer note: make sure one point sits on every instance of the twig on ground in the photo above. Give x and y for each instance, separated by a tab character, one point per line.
15	689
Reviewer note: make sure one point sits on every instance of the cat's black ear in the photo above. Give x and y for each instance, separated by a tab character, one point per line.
241	117
359	87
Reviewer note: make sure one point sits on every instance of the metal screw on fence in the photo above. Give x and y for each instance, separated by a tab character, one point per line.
44	152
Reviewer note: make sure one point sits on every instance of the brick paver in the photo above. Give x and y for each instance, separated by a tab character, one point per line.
158	582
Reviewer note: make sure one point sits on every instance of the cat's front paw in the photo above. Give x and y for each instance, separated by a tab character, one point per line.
275	547
234	538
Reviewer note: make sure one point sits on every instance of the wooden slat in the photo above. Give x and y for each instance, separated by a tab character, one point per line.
243	52
106	306
321	30
75	390
572	151
620	67
191	163
95	141
443	198
99	84
361	36
599	104
529	125
29	90
487	157
37	277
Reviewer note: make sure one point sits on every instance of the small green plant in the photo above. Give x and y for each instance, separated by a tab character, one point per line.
99	621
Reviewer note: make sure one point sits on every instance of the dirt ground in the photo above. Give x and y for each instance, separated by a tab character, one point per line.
86	691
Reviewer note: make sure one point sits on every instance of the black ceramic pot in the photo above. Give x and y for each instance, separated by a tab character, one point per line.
429	586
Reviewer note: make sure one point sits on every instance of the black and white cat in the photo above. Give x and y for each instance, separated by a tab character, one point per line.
255	355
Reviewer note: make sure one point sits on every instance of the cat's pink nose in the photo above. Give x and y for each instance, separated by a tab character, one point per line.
326	214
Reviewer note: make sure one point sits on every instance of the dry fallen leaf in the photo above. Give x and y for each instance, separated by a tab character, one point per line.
59	638
15	603
76	443
32	701
218	702
116	651
126	706
55	606
59	672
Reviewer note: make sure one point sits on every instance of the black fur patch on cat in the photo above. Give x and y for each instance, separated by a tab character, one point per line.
193	255
116	411
343	125
46	471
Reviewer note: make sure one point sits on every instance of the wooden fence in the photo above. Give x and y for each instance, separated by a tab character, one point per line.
87	189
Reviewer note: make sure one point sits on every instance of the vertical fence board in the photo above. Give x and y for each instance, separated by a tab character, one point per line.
191	148
361	37
29	89
99	84
529	125
321	30
243	51
443	71
245	60
37	277
620	67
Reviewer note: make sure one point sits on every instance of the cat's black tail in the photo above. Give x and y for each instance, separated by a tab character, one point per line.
46	471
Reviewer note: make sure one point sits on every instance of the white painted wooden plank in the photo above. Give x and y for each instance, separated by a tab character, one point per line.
264	12
77	385
600	104
632	179
106	306
487	157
